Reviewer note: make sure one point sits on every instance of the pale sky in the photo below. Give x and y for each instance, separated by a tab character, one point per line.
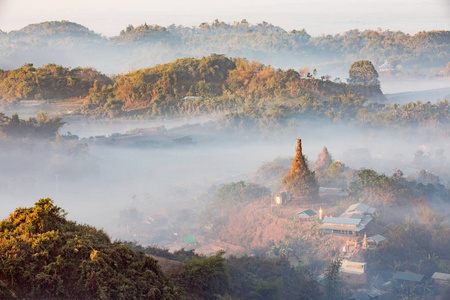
316	16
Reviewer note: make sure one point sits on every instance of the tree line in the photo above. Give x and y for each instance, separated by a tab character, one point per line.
47	82
263	42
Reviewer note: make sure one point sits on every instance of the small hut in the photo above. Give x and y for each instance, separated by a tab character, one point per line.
282	198
441	278
376	239
306	215
408	277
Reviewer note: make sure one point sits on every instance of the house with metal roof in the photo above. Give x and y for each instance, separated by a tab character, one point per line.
376	239
353	221
358	210
411	277
386	67
282	198
306	214
372	293
440	277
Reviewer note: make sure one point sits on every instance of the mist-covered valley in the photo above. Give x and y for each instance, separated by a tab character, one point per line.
97	181
301	168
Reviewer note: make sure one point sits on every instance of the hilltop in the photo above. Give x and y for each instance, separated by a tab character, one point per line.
45	255
148	45
55	29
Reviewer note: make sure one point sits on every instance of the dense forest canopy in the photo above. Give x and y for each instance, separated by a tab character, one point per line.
244	93
45	255
48	82
149	45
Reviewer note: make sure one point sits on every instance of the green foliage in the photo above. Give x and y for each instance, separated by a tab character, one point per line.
255	277
364	73
389	191
184	77
41	126
240	192
46	256
208	277
271	173
334	176
48	82
426	239
332	281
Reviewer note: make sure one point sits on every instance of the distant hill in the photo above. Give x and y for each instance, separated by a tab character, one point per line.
428	95
68	43
56	29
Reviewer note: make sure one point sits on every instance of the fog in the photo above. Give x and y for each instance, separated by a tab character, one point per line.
96	184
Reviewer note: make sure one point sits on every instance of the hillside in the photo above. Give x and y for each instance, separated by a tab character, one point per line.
45	255
62	29
147	45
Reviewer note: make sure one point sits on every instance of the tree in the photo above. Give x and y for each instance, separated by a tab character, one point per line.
332	290
208	277
44	255
41	126
363	73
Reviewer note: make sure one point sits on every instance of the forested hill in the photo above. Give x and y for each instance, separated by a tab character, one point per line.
146	45
211	84
55	29
46	256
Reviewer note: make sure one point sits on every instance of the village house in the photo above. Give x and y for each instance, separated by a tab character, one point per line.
408	277
376	240
441	278
351	223
282	198
353	267
306	215
387	68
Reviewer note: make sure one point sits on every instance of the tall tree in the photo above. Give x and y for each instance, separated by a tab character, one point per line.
363	72
332	290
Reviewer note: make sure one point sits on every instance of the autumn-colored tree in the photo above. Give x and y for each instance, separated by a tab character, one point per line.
300	181
363	72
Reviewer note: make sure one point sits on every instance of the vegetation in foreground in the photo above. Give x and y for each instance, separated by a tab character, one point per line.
46	256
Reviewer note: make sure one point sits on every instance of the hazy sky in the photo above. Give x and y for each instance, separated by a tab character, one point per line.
316	16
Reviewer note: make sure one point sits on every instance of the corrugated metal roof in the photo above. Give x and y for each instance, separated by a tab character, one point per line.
352	216
341	227
361	208
441	276
308	212
376	238
408	276
374	292
371	210
345	221
366	220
